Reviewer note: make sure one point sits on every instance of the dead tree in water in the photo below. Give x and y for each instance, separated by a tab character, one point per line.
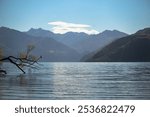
24	60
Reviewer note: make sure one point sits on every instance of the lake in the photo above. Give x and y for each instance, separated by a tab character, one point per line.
77	80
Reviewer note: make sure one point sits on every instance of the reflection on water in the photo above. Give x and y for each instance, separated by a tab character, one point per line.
78	81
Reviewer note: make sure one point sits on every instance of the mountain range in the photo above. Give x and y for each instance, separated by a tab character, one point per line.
132	48
108	46
13	42
81	42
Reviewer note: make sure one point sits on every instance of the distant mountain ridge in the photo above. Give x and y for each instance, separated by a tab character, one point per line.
145	31
81	42
95	42
39	32
133	48
53	47
13	42
68	38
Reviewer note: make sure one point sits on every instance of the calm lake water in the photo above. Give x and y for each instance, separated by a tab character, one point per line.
77	81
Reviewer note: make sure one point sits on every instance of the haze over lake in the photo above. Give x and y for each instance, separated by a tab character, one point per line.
60	80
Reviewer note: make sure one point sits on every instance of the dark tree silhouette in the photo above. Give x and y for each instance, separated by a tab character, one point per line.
24	60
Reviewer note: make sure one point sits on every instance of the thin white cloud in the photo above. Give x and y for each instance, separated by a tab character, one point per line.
64	27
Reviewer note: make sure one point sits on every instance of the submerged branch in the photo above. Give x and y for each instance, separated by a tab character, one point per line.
20	62
3	71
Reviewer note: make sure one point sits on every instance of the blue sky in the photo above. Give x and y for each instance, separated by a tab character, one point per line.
92	15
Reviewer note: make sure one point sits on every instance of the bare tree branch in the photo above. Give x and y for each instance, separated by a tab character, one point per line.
26	60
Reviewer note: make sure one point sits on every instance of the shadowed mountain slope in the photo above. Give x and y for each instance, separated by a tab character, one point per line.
133	48
13	42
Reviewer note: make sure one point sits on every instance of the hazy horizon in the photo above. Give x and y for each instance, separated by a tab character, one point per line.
63	33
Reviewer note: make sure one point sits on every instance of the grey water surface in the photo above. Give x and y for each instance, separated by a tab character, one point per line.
78	80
